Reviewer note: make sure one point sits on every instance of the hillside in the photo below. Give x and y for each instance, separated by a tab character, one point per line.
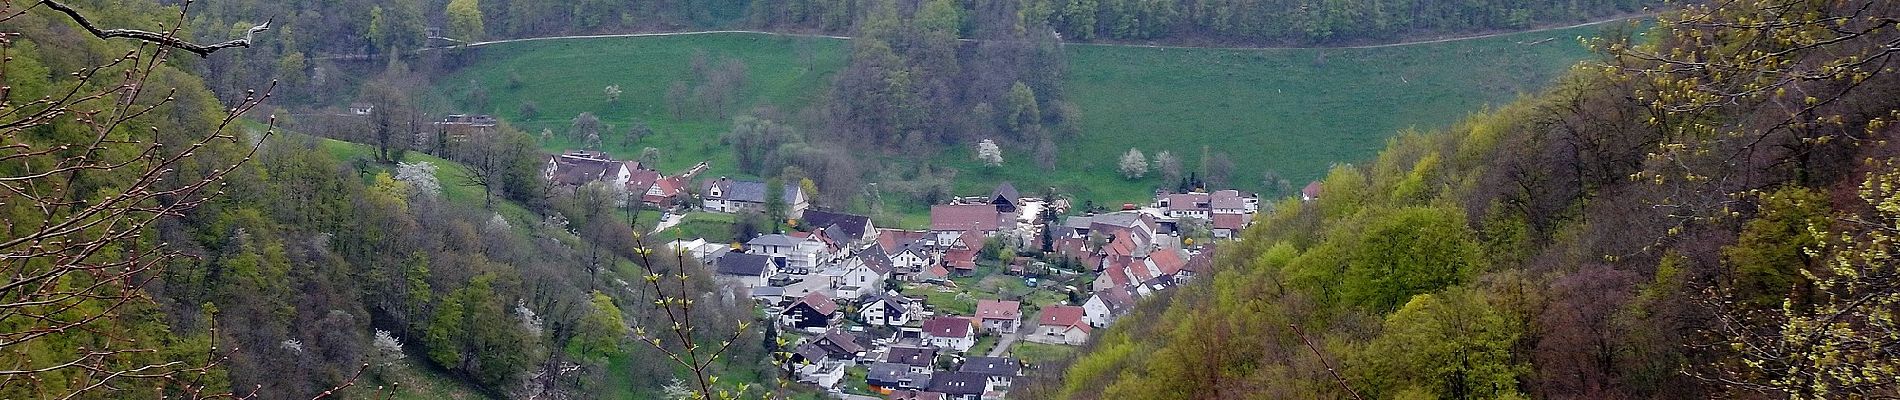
1279	104
1689	220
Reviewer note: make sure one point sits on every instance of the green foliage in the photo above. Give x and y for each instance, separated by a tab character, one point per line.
601	331
1409	251
1452	345
473	333
465	20
1770	259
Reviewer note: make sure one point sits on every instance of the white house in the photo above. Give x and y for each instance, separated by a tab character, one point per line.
914	257
797	252
730	196
953	333
1106	305
580	167
1062	325
746	270
1001	316
883	308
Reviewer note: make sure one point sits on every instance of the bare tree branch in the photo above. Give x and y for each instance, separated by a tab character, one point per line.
167	39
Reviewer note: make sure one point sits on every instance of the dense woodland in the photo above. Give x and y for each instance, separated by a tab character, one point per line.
155	252
1708	213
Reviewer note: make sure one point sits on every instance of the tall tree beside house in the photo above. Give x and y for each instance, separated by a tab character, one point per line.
775	210
394	122
811	190
587	127
649	157
1170	167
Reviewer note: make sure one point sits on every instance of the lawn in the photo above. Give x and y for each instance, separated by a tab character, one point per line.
941	302
1292	111
564	78
714	227
1038	353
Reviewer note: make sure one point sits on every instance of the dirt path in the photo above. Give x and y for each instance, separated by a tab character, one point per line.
835	37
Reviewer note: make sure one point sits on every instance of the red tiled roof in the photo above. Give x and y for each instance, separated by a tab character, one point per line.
1064	316
948	327
1230	221
1228	200
893	240
961	259
998	309
976	217
1201	263
818	301
641	179
1116	270
936	270
1187	201
1168	261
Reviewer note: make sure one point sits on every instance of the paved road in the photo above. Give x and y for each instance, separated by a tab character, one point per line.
667	221
1002	347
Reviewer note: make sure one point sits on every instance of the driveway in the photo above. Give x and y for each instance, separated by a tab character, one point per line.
668	220
1002	346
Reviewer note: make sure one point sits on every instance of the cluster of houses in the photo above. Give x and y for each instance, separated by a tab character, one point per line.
631	179
832	282
1141	251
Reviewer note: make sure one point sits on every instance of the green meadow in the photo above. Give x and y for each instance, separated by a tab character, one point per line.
1294	112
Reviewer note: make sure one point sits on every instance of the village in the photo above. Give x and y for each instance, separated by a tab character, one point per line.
994	285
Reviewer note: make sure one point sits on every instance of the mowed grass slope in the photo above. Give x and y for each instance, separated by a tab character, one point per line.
1292	111
564	78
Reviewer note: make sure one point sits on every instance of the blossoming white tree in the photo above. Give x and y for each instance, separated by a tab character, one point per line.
989	153
1134	165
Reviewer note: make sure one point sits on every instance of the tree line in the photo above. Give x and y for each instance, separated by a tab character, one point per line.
179	249
1657	225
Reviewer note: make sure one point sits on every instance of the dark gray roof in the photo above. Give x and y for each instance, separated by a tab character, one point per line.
875	258
958	383
1123	219
751	191
886	296
998	366
1007	192
846	225
774	240
742	264
891	374
912	356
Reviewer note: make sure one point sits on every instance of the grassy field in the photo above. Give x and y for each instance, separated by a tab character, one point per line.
564	78
1292	111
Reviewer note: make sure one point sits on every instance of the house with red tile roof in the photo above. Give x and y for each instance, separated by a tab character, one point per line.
1001	316
1062	325
953	333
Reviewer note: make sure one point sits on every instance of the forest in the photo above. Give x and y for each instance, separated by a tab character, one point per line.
1708	213
163	244
1707	210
